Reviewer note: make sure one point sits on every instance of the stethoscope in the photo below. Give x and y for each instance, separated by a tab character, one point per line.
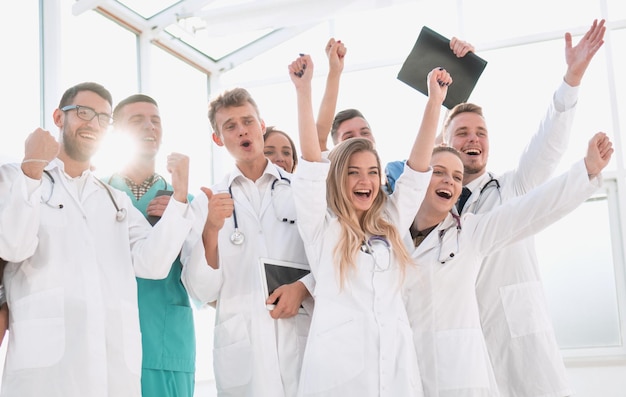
492	182
237	237
120	213
442	233
371	247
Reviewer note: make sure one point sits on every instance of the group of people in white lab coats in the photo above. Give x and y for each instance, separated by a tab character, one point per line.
439	291
399	300
74	246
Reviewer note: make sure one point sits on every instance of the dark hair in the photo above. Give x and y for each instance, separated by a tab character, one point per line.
133	99
342	116
294	152
233	98
70	93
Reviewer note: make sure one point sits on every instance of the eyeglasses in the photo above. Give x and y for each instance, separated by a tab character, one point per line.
87	114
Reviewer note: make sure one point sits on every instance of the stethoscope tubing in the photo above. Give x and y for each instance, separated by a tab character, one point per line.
120	213
237	237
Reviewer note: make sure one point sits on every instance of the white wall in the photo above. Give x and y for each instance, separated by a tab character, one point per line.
600	379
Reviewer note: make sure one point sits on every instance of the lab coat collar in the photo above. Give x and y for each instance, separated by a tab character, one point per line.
270	169
479	182
432	240
476	186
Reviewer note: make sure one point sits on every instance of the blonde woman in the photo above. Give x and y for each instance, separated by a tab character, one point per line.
360	341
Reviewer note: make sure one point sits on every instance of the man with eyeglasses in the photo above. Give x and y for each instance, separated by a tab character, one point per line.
75	248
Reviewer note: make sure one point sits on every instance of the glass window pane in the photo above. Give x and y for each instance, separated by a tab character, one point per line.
182	92
108	57
618	43
511	19
20	77
617	9
579	276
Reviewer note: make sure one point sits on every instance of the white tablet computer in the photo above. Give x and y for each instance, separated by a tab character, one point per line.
275	272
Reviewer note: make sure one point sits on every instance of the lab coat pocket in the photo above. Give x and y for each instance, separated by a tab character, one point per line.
132	337
37	330
335	351
461	359
525	308
232	354
303	324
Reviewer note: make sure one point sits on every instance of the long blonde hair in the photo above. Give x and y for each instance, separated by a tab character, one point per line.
355	229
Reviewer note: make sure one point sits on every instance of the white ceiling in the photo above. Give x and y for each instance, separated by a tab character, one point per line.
218	35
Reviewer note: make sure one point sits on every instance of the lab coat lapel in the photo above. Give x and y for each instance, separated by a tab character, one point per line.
431	242
266	200
91	186
476	191
267	195
61	182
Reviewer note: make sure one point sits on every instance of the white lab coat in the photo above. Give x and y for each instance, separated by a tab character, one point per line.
360	342
514	313
253	354
441	297
71	284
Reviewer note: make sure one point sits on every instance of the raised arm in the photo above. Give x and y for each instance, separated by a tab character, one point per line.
178	166
40	148
551	140
579	57
335	51
526	215
599	154
438	81
301	73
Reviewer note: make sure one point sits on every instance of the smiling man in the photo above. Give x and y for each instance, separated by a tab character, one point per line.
75	248
513	311
165	314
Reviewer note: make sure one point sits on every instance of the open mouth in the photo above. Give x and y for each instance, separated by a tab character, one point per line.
444	193
363	193
246	144
149	139
88	136
473	152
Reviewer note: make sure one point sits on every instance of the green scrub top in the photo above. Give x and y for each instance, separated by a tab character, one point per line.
165	314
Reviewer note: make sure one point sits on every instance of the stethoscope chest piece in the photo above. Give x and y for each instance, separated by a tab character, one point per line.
237	237
120	215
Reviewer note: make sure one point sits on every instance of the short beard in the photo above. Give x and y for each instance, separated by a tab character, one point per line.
72	150
472	170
